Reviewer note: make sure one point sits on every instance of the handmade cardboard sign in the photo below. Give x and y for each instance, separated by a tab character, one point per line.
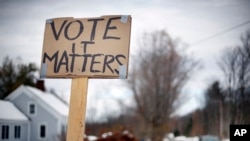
86	47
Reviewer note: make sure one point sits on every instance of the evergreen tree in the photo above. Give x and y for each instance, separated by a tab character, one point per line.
12	75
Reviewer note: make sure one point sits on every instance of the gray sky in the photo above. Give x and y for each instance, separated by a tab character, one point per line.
22	26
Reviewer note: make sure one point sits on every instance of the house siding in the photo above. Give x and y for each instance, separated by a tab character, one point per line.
41	116
23	130
21	103
44	118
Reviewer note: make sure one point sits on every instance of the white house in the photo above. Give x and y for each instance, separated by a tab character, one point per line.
46	114
14	125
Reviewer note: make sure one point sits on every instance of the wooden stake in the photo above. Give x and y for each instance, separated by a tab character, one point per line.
77	109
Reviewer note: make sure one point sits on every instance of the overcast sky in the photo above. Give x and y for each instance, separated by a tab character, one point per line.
193	21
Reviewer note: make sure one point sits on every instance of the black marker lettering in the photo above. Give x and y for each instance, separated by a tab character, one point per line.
109	27
55	56
119	62
66	31
85	56
92	37
73	55
56	35
94	62
107	62
64	57
119	56
85	43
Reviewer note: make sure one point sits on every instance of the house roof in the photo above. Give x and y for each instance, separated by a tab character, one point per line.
49	100
8	111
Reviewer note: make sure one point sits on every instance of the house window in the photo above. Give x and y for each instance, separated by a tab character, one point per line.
42	131
32	108
5	132
17	132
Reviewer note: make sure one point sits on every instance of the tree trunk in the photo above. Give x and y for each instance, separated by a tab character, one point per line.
157	133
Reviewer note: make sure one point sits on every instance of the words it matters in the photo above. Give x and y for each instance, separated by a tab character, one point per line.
86	47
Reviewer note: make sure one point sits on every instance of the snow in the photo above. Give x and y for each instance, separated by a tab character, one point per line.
192	139
171	137
105	135
180	138
92	138
50	100
8	111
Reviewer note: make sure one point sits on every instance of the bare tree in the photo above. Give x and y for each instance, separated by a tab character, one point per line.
243	92
235	65
158	75
214	110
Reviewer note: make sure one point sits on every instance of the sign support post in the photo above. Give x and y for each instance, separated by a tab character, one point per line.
77	109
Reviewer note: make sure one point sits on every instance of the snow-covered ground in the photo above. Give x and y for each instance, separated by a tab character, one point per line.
182	138
168	137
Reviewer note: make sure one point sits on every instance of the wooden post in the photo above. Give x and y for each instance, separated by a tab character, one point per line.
77	109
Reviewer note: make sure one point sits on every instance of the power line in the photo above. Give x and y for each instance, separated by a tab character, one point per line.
219	33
